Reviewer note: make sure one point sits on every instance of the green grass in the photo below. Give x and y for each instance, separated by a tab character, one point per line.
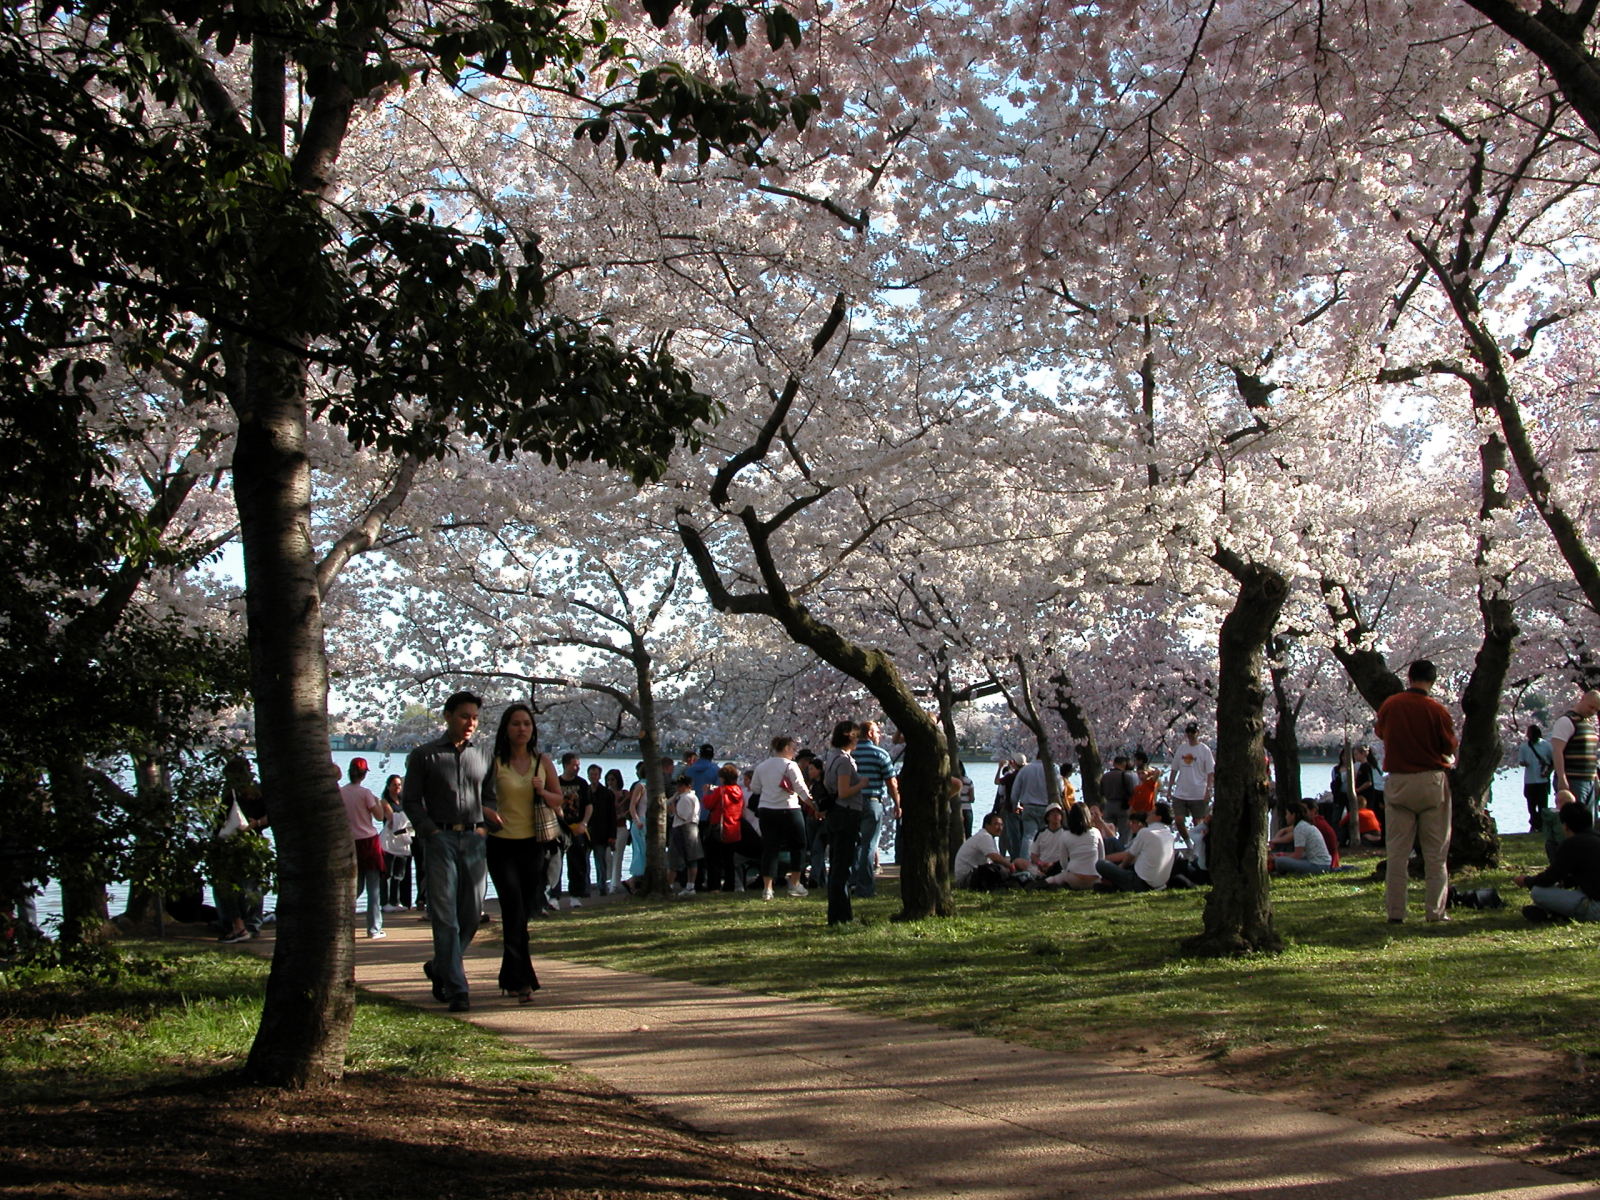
167	1013
1350	995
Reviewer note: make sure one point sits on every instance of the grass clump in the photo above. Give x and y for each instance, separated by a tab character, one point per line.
1350	994
154	1013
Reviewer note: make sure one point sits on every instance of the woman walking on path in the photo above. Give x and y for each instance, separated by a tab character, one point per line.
398	834
522	849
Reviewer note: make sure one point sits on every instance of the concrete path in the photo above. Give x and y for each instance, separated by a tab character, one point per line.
909	1110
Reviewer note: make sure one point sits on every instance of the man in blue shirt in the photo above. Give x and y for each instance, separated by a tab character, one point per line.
881	791
701	769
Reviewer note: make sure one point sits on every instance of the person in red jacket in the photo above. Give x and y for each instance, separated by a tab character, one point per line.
725	803
1419	741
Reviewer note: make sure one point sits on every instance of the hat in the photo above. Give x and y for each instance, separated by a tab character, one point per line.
1053	808
359	764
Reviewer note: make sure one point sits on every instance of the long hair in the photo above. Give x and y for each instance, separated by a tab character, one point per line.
502	739
1078	818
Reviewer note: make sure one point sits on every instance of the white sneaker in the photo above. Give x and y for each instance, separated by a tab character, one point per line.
575	903
376	934
766	893
798	889
391	908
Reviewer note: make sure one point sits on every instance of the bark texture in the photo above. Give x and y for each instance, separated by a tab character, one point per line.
1238	915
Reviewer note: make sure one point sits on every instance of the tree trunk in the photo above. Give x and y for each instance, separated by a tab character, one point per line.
955	831
655	812
921	847
1285	740
1474	840
1238	916
1090	767
310	999
85	911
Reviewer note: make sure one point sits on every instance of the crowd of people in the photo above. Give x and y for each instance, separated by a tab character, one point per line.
798	820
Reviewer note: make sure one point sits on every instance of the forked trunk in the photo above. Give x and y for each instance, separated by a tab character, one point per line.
1238	916
310	998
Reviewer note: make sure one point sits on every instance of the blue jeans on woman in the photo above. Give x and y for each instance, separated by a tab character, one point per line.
371	882
843	828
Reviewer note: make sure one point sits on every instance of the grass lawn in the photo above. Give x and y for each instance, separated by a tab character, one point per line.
172	1012
1351	998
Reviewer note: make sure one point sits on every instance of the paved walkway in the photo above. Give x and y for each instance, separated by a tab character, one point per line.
909	1110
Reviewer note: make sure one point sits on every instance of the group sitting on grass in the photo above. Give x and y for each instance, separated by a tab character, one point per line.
1078	849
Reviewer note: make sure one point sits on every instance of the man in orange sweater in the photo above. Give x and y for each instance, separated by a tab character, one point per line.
1419	740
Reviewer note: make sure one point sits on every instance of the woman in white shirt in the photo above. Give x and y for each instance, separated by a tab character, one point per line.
1084	847
778	788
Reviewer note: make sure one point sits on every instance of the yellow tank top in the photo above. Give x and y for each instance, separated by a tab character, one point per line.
514	796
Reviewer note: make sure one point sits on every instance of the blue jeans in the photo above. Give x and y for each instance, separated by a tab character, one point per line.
1285	865
1124	879
457	867
1011	834
864	877
1583	791
842	827
1032	822
1568	902
371	882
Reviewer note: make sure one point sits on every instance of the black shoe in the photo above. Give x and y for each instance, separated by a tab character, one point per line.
1543	916
438	992
460	1003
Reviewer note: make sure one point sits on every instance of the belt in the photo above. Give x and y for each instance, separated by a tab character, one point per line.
469	826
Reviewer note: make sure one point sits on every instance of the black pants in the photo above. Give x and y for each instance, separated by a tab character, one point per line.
396	886
843	827
578	865
782	829
520	869
719	866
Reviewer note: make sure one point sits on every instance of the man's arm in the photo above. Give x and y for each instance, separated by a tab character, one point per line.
411	794
1558	752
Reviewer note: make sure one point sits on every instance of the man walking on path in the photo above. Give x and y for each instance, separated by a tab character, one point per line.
448	781
1419	741
881	794
1573	743
1193	775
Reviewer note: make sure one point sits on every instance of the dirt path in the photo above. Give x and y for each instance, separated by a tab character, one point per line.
893	1106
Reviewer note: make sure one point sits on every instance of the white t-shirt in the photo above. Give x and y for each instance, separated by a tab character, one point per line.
1538	762
1191	765
358	805
685	808
767	784
1051	846
1563	730
1083	851
973	854
1314	847
1153	853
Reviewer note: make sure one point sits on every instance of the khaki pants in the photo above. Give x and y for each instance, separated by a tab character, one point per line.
1418	808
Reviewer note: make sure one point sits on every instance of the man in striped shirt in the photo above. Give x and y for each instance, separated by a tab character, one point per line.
881	791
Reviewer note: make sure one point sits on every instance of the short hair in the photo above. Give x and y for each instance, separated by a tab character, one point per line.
781	743
457	699
1139	756
1422	671
1191	727
843	734
1297	808
1576	817
570	756
1535	733
994	816
729	773
707	751
1163	812
1139	817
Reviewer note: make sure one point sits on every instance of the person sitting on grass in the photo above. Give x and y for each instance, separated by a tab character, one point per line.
979	864
1569	889
1310	855
1367	820
1146	865
1084	847
1049	850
